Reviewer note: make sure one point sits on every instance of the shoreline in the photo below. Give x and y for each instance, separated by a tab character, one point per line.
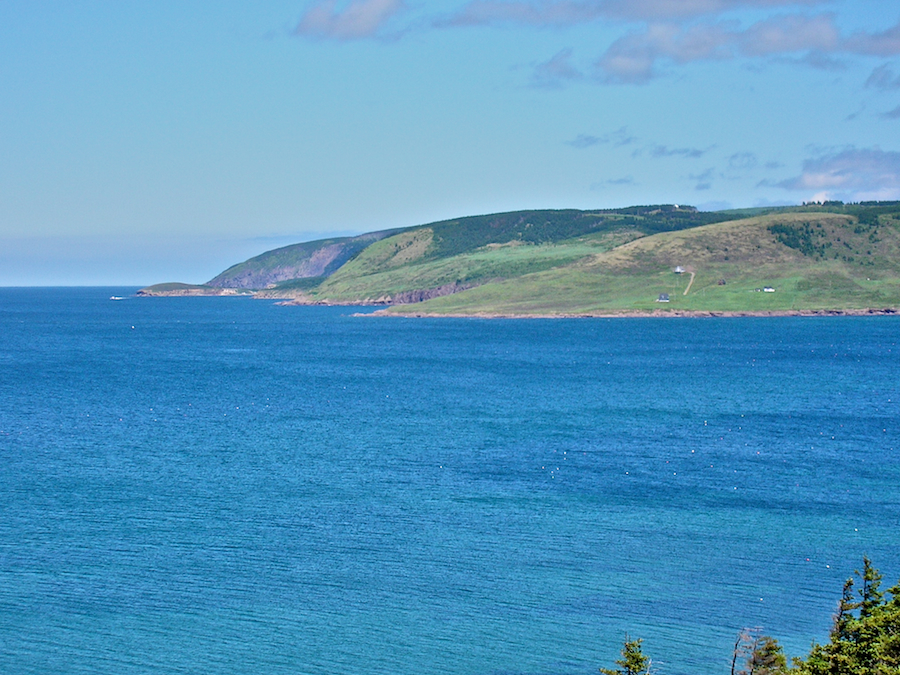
387	310
646	314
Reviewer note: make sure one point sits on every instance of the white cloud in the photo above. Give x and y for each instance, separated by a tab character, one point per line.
786	34
633	58
356	20
666	31
851	174
571	12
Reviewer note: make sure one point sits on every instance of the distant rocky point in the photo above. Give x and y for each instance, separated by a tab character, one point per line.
175	289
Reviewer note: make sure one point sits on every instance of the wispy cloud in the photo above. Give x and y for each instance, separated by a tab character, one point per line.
850	174
886	43
582	141
487	12
786	34
821	61
883	77
856	113
618	138
355	20
742	161
659	32
633	58
613	182
892	114
703	179
665	151
556	71
549	13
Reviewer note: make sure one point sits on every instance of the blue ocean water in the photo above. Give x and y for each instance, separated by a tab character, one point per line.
222	485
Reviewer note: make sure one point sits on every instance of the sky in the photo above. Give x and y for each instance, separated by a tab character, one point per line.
144	142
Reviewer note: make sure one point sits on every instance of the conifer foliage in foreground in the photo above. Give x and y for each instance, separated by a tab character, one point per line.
865	639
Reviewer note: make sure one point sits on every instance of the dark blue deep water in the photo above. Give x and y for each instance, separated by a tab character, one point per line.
222	485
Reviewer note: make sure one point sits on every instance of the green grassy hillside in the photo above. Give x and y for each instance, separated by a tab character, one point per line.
813	257
482	249
811	260
320	259
378	272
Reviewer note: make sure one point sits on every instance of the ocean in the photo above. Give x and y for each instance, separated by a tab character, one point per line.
223	485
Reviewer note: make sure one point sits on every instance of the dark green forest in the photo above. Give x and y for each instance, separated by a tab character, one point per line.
461	235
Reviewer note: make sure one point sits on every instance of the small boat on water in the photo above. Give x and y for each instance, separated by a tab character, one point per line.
116	297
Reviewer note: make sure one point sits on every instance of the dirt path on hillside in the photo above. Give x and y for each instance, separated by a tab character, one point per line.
690	283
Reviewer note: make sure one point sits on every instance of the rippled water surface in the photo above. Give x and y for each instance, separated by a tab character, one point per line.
221	485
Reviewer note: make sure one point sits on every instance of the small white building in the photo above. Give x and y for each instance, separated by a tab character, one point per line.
768	289
679	269
663	297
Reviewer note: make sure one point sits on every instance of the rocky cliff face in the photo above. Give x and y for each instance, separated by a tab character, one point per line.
422	294
298	261
315	264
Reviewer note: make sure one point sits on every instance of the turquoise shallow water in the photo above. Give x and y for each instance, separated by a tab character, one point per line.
221	485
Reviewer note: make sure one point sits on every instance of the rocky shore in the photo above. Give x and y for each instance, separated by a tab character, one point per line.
653	314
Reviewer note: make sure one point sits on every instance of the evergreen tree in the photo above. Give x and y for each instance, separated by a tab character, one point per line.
762	654
870	596
767	658
844	616
865	639
633	661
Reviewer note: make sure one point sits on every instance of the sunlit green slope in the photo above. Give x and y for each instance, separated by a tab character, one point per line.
447	256
806	260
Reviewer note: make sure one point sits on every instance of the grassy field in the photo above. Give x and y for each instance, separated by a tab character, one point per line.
731	264
401	263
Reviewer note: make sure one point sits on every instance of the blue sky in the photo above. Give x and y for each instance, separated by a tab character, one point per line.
146	142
